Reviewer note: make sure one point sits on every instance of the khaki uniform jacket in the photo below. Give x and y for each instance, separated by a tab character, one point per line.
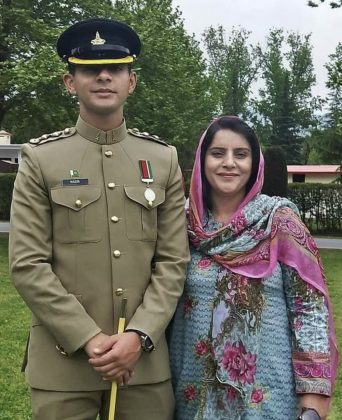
82	236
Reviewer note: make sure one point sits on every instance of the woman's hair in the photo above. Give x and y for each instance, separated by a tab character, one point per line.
238	126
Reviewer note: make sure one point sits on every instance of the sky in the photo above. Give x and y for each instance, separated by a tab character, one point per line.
259	16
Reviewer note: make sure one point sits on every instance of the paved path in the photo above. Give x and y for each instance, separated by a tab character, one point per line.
326	243
4	227
329	243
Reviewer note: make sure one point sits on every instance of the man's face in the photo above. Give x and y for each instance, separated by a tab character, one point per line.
102	89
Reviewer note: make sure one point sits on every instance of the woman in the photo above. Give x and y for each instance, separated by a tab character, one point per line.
252	336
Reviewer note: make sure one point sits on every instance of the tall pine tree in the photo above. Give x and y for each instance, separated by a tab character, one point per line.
284	111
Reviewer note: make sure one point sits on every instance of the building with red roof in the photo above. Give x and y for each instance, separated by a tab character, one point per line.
323	174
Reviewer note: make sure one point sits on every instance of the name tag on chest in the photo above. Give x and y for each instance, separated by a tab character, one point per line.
75	181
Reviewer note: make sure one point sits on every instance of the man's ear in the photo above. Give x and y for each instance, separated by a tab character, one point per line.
68	80
132	82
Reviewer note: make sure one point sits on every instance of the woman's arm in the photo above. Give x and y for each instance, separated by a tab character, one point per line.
308	318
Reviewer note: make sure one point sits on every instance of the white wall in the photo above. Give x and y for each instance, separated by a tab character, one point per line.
5	139
321	178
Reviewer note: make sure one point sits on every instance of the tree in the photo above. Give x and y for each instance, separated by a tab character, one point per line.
333	4
284	111
326	141
31	98
172	98
233	67
334	68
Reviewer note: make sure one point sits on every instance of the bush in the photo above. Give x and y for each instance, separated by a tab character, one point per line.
320	205
6	189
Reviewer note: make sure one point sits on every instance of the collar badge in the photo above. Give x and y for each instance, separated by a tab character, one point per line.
74	173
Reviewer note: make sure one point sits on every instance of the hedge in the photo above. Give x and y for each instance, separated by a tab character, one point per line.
320	205
6	188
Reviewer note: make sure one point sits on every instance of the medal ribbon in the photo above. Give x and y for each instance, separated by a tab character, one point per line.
146	171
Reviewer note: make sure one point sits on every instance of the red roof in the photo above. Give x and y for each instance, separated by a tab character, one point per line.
313	169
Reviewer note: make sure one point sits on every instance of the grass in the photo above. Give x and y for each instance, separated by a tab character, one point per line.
332	261
15	319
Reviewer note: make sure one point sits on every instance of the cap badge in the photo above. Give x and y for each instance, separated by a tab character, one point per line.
98	40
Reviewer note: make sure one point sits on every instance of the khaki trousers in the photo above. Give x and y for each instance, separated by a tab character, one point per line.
138	402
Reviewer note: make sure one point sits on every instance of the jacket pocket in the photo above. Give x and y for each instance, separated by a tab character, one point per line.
75	212
141	218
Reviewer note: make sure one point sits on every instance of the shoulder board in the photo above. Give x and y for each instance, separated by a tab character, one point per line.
67	132
135	132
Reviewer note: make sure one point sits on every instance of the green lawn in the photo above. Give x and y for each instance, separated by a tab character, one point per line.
332	261
14	321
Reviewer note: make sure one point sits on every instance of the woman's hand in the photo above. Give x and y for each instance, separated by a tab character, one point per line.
320	403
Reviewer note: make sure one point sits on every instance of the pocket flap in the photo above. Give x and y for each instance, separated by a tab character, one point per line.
137	194
75	198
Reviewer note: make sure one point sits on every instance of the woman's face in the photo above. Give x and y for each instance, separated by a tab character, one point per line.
228	164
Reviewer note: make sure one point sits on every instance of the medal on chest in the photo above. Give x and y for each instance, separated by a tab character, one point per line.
147	177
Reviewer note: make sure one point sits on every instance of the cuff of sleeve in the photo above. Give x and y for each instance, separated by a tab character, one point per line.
312	373
313	386
71	348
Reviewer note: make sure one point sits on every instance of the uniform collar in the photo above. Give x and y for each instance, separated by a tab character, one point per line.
98	136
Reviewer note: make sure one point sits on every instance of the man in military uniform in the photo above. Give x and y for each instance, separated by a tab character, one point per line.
98	216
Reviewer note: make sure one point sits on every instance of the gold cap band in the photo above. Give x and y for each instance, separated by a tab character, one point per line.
124	60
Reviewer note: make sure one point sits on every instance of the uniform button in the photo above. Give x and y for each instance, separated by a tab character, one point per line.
111	185
78	203
119	291
116	253
108	153
114	219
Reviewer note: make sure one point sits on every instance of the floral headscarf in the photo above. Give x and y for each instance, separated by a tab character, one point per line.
262	231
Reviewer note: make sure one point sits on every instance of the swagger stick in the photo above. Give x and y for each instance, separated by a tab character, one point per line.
114	390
